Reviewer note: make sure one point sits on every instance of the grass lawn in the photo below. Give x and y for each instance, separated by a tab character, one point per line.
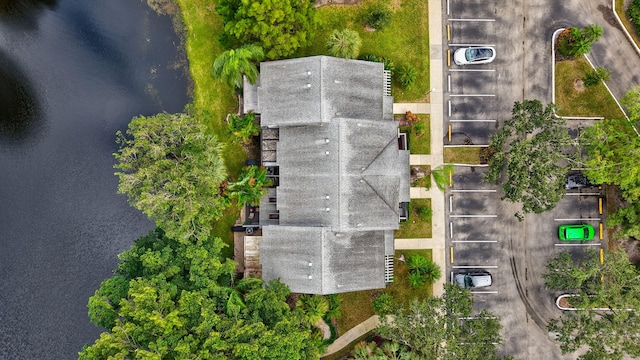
415	227
592	101
405	41
462	155
420	144
214	98
358	306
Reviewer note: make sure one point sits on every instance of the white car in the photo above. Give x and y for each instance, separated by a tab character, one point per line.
474	55
476	279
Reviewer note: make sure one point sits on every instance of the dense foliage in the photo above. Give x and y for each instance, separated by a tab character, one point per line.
171	169
233	64
607	321
575	42
531	151
175	300
280	27
345	44
444	328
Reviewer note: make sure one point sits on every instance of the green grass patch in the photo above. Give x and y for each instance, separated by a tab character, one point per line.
415	227
631	28
357	306
462	155
589	101
405	41
400	289
420	144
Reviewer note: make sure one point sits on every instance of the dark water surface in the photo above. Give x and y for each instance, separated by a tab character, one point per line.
72	72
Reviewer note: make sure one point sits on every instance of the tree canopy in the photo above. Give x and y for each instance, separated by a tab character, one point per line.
444	328
529	157
344	43
171	169
608	334
175	300
231	65
280	27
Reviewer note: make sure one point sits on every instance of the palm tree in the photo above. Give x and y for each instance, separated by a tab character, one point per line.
416	279
345	44
231	65
314	307
250	187
441	174
591	33
243	127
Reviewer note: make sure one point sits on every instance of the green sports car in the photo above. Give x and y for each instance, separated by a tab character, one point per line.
576	232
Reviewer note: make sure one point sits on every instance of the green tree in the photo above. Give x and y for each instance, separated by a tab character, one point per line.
443	328
613	155
595	77
591	33
280	27
243	127
577	42
606	334
171	169
231	65
377	15
531	150
345	44
441	176
250	187
179	304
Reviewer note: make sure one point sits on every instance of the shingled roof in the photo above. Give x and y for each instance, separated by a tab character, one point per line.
342	175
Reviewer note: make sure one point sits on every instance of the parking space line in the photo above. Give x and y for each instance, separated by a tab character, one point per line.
480	20
474	216
474	241
474	191
450	203
471	45
484	292
450	229
475	267
471	70
449	82
448	12
449	108
477	95
583	219
585	194
581	244
470	120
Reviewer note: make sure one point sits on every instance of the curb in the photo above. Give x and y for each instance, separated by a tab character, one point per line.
624	28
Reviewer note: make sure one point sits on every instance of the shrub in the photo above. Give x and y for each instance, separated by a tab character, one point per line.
388	64
377	15
416	279
425	213
411	118
633	13
576	42
243	127
594	77
418	128
384	304
335	306
407	76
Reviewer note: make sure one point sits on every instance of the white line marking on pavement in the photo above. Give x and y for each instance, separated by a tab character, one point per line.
589	244
474	241
472	191
470	70
448	12
450	229
583	219
477	95
579	194
486	20
478	120
471	45
449	108
449	82
473	216
475	267
450	203
484	292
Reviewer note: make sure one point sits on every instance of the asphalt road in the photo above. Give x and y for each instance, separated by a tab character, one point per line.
483	231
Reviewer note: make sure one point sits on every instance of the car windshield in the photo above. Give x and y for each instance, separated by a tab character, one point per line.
478	54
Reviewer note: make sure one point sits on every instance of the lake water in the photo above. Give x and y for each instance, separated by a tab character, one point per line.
72	73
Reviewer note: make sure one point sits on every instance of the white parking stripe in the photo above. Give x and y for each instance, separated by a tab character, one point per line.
450	229
450	203
472	191
471	70
475	267
485	20
449	82
471	45
584	219
484	292
589	194
579	244
473	216
469	120
480	95
474	241
449	108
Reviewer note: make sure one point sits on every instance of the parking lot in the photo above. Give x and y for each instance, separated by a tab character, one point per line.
482	232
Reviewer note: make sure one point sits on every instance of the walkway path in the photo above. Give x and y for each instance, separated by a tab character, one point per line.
435	159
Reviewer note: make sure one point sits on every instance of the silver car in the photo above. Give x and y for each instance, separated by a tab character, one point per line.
474	55
476	279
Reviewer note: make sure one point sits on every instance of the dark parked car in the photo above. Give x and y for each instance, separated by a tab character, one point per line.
576	181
